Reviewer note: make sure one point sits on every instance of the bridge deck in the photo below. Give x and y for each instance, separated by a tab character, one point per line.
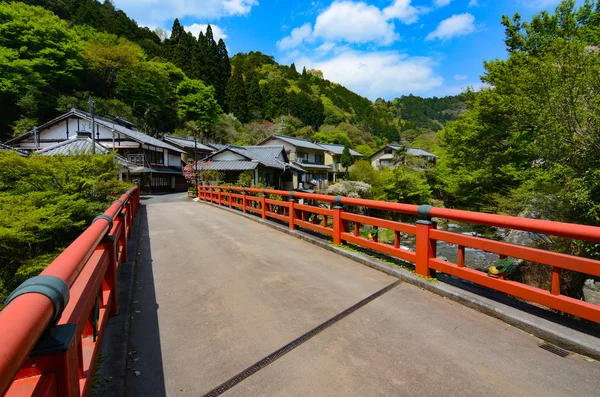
217	293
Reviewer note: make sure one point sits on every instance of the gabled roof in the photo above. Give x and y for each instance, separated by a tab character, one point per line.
409	150
135	135
187	143
298	142
217	146
228	165
267	156
6	148
73	147
339	149
78	146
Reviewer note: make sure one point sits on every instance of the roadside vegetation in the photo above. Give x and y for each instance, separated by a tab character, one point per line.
45	203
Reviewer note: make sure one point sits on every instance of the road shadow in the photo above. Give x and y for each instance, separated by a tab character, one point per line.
145	372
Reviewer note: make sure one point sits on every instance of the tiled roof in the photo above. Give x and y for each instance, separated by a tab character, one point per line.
135	135
308	166
339	149
217	146
7	148
186	143
266	155
73	147
410	150
78	146
233	165
303	143
420	153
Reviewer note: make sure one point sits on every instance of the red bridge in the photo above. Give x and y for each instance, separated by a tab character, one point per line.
250	305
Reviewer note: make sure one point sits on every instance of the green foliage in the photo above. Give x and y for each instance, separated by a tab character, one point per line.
197	103
347	159
333	137
45	203
236	98
246	179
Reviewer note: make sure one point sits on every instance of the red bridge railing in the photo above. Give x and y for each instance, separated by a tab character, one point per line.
345	226
52	328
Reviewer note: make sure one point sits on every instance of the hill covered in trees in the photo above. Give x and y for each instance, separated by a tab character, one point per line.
133	72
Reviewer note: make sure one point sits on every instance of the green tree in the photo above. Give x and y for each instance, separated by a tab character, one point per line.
197	104
347	159
255	98
224	72
236	98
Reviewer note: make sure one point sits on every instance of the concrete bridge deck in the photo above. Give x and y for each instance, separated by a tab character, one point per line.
217	293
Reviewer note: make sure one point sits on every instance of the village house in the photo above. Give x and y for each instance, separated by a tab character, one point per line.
385	157
333	157
268	165
304	155
154	164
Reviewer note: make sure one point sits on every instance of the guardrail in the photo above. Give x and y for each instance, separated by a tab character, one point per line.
52	326
345	226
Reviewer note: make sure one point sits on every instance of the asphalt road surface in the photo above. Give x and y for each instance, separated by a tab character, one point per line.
217	293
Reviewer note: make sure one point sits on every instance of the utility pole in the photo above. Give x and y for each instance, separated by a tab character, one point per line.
92	108
196	161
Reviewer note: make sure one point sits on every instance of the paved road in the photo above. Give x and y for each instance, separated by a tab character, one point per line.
217	293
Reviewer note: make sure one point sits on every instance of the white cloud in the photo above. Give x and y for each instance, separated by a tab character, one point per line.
157	12
238	7
456	25
403	11
355	22
377	74
196	28
473	3
441	3
460	77
296	37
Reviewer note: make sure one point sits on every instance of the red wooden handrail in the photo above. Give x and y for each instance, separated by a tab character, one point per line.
88	267
426	237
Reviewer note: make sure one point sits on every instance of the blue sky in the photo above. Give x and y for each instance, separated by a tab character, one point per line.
378	48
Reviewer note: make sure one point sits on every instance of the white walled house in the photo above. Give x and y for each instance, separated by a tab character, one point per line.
155	165
333	158
305	155
384	157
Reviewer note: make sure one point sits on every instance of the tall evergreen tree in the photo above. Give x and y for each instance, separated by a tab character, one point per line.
236	98
183	53
255	98
201	58
212	58
303	71
224	72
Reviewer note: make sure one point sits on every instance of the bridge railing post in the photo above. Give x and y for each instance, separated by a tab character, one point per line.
263	205
220	198
338	225
244	201
292	212
230	198
425	246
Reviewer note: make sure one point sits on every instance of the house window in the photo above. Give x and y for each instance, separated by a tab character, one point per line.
385	162
154	157
303	156
388	151
319	158
160	181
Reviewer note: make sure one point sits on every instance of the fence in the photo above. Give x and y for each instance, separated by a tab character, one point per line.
344	226
52	327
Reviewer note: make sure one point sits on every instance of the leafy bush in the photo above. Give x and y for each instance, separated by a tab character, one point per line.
45	203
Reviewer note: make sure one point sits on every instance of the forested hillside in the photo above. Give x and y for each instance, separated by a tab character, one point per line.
96	50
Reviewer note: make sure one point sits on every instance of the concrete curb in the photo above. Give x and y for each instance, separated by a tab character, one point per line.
560	335
112	372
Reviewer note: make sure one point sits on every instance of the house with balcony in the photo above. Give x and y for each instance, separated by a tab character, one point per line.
386	156
333	158
154	164
306	155
268	165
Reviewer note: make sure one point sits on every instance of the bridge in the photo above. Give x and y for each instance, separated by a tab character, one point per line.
255	292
